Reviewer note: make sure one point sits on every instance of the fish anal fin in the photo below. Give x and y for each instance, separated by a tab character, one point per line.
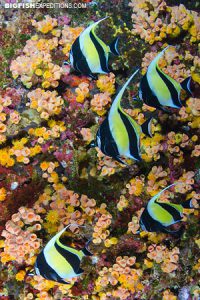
114	46
185	84
176	233
146	127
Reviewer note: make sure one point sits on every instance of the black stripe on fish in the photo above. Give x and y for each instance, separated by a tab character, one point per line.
171	88
101	53
149	223
171	210
80	62
133	145
147	94
70	257
46	270
108	144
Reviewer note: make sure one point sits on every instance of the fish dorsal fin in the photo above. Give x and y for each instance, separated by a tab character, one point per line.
117	101
55	238
154	198
93	26
155	61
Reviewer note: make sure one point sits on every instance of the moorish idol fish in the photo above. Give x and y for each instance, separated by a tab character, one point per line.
157	216
89	54
119	134
157	89
59	262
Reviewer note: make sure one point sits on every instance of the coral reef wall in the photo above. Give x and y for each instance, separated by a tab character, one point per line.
49	179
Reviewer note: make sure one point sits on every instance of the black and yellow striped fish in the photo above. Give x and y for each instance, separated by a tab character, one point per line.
59	262
89	54
157	216
119	134
158	89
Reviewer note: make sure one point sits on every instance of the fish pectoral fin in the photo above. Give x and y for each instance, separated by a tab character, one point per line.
114	46
185	84
146	127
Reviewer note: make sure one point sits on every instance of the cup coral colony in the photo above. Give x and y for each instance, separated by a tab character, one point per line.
99	152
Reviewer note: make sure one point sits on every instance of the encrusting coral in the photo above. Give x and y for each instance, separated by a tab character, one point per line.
154	21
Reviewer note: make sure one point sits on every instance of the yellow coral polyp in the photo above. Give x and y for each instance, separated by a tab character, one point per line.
2	194
47	74
44	165
106	83
20	275
6	258
5	158
46	84
52	217
196	77
38	72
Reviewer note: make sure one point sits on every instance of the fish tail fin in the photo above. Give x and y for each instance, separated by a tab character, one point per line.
114	46
185	84
86	250
146	127
187	204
